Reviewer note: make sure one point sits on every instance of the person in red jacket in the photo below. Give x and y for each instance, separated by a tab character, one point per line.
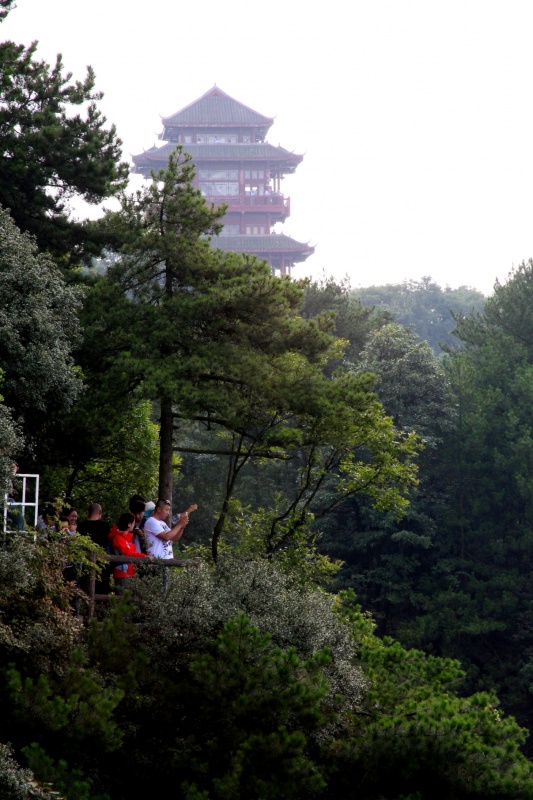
121	543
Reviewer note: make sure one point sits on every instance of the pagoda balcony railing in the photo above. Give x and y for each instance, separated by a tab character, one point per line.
259	202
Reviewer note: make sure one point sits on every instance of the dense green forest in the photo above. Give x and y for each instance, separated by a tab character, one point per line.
357	593
424	307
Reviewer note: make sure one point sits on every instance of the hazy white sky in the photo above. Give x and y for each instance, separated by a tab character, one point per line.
415	116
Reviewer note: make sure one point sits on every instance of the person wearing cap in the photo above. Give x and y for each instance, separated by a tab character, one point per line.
159	537
148	509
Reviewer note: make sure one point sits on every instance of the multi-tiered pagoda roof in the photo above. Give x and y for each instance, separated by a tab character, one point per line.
237	167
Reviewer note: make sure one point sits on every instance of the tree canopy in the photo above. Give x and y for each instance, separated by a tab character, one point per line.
217	340
50	154
259	686
424	307
39	327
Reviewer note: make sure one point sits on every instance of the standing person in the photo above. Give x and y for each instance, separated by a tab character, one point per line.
159	536
97	529
137	507
94	526
121	540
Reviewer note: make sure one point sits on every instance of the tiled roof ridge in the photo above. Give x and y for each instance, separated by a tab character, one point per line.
216	91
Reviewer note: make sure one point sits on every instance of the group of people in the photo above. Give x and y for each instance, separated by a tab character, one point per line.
140	532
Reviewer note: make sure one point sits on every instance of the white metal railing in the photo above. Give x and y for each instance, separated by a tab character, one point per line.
29	500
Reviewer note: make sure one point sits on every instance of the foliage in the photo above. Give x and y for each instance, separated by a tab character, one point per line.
205	325
339	446
10	439
424	307
50	153
5	5
101	457
217	340
38	328
200	601
468	594
264	705
232	673
350	320
248	536
382	555
411	382
17	783
233	710
244	679
70	784
50	698
417	727
36	601
240	681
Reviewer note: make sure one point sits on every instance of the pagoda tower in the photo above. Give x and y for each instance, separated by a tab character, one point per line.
235	166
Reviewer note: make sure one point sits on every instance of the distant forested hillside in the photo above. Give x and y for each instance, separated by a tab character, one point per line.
424	306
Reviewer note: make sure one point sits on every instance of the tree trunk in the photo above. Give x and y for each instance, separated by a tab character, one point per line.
234	467
165	450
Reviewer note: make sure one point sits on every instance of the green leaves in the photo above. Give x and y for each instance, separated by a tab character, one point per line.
262	701
38	329
17	783
218	340
416	725
50	154
238	682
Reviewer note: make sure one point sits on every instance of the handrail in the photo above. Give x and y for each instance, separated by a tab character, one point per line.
156	562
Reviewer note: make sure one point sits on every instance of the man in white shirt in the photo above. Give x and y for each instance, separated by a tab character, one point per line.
159	536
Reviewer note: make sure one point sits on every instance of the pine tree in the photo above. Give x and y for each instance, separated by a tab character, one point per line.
49	154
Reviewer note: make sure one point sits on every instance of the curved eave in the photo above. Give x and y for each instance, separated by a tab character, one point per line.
264	245
278	157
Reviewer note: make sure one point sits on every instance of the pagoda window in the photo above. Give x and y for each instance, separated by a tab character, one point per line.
201	138
219	188
230	230
254	189
247	138
254	173
187	139
255	229
218	174
222	138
